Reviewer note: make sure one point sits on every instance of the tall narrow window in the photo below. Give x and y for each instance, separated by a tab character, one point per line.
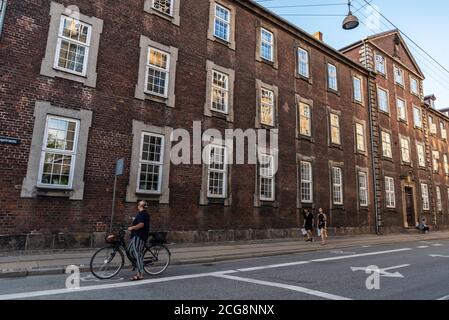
421	155
439	202
399	76
380	64
382	96
58	152
357	84
332	77
414	88
305	120
402	110
164	6
436	159
266	172
303	63
446	165
360	137
417	117
222	23
151	163
158	68
306	182
335	128
443	131
266	44
405	150
432	126
73	46
220	92
217	176
363	189
386	145
390	196
337	186
267	107
425	196
2	13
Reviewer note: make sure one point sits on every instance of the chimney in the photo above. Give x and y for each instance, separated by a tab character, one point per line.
318	35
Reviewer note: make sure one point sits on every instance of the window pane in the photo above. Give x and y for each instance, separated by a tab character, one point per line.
357	89
267	107
303	62
304	120
163	6
222	20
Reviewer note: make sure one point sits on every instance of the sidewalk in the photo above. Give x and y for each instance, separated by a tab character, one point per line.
20	264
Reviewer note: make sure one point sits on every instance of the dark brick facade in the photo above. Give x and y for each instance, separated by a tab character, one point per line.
22	48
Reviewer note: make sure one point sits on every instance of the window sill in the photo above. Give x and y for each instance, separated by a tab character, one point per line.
269	204
219	115
387	159
336	146
360	103
407	164
336	92
155	98
53	192
216	200
223	42
304	78
385	113
339	207
305	138
272	64
361	153
403	121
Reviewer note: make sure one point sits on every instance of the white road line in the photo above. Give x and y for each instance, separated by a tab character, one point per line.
361	255
437	245
444	298
108	286
271	266
422	247
285	286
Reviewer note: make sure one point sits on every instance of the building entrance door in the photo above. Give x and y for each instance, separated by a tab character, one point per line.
409	207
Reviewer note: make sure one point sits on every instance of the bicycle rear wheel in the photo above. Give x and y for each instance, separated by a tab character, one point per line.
107	262
156	259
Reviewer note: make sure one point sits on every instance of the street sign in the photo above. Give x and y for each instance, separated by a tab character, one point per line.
120	167
8	140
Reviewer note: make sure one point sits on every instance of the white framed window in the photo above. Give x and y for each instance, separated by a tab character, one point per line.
332	80
417	117
157	72
222	23
357	87
337	186
58	154
402	109
305	119
414	86
164	6
2	13
72	49
439	202
306	176
267	107
398	76
390	195
425	196
421	155
405	150
335	128
303	63
443	130
360	137
266	44
432	126
151	163
435	161
220	92
363	189
382	96
217	172
446	165
266	175
386	145
380	64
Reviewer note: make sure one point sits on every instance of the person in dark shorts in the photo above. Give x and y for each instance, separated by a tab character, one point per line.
322	226
139	235
308	224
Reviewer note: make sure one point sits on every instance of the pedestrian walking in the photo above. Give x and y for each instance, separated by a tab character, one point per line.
308	224
139	235
322	226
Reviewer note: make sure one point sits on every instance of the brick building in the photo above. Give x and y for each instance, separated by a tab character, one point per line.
81	87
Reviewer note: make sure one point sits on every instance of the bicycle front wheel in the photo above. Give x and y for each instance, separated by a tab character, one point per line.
107	262
156	259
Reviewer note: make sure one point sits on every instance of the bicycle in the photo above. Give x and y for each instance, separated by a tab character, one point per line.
107	262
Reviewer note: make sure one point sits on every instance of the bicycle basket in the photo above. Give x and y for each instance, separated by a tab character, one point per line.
112	238
157	237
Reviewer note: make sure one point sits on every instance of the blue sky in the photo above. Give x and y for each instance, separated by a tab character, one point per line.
426	22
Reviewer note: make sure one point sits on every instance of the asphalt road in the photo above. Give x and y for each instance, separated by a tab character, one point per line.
406	271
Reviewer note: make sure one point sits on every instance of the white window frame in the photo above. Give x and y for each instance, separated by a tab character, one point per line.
377	63
432	126
61	37
332	126
270	44
224	171
405	150
358	94
270	105
225	90
166	70
390	194
303	63
331	77
337	186
443	130
412	80
309	182
379	90
421	157
435	160
386	146
227	23
417	111
72	153
397	77
400	117
439	201
363	190
425	196
359	136
446	164
268	176
160	163
309	119
158	10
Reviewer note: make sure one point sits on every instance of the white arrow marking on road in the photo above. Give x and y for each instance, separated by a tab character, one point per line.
438	256
383	272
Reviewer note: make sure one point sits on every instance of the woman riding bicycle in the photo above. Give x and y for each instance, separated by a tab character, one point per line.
139	236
